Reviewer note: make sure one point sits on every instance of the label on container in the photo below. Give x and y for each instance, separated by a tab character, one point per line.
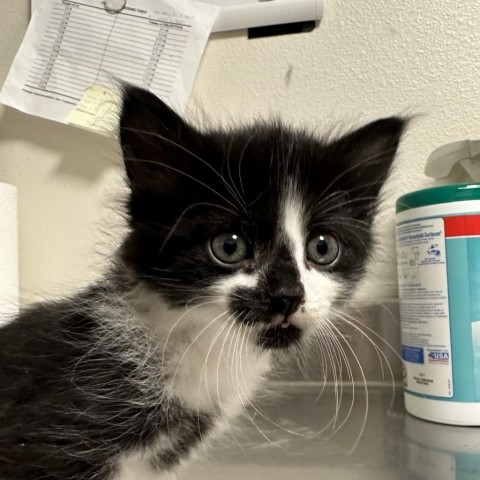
424	307
462	234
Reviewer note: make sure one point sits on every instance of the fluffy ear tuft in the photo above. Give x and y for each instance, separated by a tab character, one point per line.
153	140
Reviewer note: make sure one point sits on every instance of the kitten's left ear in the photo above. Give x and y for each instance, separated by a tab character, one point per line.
366	156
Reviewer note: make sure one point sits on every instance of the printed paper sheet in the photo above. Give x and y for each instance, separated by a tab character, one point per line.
75	47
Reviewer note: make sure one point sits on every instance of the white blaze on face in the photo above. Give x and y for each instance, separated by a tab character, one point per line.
225	286
321	289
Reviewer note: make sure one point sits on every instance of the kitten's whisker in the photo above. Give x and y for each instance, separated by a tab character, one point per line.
177	322
251	401
204	371
201	297
234	374
390	314
319	338
321	354
365	386
357	325
350	376
229	383
333	363
337	361
342	360
242	394
233	323
234	369
202	331
379	352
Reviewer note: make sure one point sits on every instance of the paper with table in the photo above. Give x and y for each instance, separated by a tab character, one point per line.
75	53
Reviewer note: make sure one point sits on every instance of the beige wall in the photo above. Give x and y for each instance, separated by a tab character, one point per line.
369	58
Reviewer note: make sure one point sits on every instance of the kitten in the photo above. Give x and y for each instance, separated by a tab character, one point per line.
241	245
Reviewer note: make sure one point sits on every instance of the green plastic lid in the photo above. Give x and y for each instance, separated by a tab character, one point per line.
433	196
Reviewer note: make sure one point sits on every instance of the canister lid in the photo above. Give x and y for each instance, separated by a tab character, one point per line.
436	195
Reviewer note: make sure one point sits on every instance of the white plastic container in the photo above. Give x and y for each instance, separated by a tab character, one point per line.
438	253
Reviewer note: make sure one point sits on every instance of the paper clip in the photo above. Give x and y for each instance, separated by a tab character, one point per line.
114	6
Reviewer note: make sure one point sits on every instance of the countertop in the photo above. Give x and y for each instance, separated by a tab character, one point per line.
306	434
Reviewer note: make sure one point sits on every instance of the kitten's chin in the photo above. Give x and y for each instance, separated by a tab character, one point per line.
280	336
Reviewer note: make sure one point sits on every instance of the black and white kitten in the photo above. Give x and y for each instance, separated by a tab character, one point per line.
241	245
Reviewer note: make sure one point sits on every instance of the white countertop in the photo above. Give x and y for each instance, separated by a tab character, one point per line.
296	439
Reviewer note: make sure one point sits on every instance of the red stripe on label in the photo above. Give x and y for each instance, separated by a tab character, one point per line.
462	226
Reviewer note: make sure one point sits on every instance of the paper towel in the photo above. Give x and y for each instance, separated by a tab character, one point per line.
442	160
8	252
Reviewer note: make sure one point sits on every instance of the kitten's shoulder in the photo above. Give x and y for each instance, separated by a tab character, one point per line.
45	332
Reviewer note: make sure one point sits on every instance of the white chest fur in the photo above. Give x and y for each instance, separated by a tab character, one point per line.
211	364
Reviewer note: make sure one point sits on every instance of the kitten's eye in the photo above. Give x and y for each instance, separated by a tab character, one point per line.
323	249
229	248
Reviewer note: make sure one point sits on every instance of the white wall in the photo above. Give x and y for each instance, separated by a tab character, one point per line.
367	59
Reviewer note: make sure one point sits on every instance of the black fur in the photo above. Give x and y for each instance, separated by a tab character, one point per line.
68	409
69	402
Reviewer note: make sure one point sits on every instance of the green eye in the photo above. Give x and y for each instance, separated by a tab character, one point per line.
323	249
229	248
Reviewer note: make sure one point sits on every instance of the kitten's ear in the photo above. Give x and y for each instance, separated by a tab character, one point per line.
366	156
154	141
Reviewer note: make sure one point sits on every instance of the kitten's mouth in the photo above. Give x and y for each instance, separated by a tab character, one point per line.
279	336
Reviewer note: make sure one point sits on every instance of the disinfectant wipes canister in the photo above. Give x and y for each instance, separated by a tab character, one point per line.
438	252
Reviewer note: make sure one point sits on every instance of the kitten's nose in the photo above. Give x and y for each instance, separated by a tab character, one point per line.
287	301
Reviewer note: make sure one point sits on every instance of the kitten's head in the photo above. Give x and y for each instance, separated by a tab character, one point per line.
271	222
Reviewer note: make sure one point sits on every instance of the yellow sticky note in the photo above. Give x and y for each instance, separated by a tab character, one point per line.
97	110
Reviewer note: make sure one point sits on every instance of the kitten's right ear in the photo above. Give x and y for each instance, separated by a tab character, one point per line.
154	141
